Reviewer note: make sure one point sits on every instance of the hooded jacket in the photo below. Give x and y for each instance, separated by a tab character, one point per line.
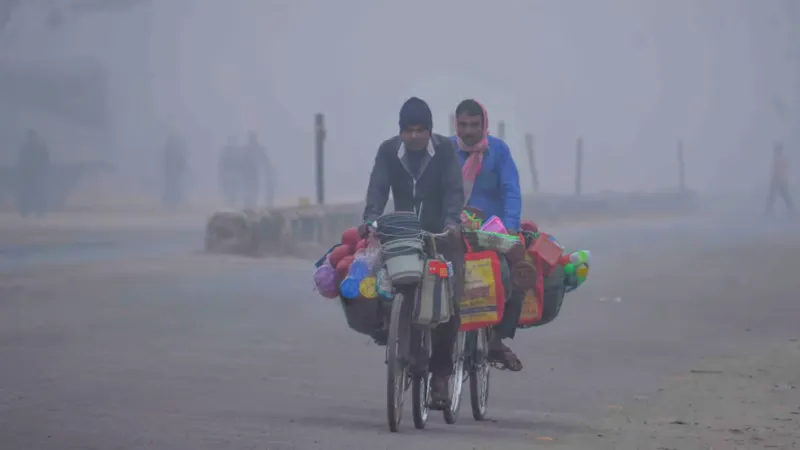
436	195
496	191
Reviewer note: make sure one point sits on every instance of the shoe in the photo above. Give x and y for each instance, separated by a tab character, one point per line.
503	357
381	337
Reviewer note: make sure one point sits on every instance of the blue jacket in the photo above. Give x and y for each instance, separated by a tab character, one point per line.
496	191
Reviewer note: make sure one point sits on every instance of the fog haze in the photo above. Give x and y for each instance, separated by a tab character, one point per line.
630	76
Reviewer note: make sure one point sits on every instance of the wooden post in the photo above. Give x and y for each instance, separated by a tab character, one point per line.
319	159
579	167
452	124
501	130
681	167
529	144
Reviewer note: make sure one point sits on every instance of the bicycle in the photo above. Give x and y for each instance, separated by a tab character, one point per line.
471	364
408	351
471	353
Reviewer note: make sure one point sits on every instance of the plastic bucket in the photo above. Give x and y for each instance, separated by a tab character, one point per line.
403	259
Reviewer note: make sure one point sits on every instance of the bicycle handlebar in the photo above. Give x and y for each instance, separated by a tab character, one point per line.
374	227
445	233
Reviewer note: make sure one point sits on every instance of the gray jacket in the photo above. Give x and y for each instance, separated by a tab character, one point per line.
437	195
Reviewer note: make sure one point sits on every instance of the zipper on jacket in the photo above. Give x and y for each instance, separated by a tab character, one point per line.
414	194
424	166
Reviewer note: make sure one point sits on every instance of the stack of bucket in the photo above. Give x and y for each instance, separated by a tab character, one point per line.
400	235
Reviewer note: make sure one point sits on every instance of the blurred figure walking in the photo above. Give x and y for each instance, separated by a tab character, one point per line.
175	167
227	172
34	168
255	166
779	183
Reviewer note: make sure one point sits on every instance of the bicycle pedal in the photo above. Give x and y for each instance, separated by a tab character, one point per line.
439	406
498	365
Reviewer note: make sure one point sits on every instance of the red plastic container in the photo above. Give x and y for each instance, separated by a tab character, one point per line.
546	250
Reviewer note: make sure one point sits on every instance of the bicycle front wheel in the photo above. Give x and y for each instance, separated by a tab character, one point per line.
396	360
421	398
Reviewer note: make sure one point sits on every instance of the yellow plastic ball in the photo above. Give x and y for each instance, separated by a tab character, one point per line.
368	287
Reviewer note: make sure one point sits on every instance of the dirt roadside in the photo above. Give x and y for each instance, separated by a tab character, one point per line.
745	401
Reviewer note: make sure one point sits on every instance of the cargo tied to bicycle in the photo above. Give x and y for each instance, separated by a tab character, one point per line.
516	278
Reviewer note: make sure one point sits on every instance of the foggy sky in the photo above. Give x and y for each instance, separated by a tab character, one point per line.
631	76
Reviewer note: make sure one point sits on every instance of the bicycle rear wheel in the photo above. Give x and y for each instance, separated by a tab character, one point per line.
456	380
397	360
479	374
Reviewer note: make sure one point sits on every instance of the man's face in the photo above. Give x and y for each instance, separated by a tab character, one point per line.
415	137
469	128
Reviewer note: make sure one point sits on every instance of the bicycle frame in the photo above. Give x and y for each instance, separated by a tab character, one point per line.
408	352
409	293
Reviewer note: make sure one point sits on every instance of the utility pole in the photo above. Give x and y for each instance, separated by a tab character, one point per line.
529	146
579	166
681	167
319	160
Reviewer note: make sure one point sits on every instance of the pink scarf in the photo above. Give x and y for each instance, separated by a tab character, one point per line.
472	166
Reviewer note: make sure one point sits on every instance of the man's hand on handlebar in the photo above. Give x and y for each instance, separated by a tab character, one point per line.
454	231
365	230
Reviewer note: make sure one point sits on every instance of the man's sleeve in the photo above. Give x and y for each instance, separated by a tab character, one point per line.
453	187
509	182
378	189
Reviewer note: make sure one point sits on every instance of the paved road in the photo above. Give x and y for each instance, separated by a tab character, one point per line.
177	350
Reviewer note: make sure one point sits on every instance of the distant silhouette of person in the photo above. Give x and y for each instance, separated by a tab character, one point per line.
255	166
779	183
227	172
269	182
175	167
34	168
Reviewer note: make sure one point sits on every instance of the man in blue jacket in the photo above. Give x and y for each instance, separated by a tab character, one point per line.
491	184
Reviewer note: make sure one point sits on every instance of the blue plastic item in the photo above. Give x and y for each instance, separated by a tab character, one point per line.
384	285
350	288
359	270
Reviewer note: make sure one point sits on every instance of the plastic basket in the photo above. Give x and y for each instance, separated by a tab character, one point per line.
488	241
